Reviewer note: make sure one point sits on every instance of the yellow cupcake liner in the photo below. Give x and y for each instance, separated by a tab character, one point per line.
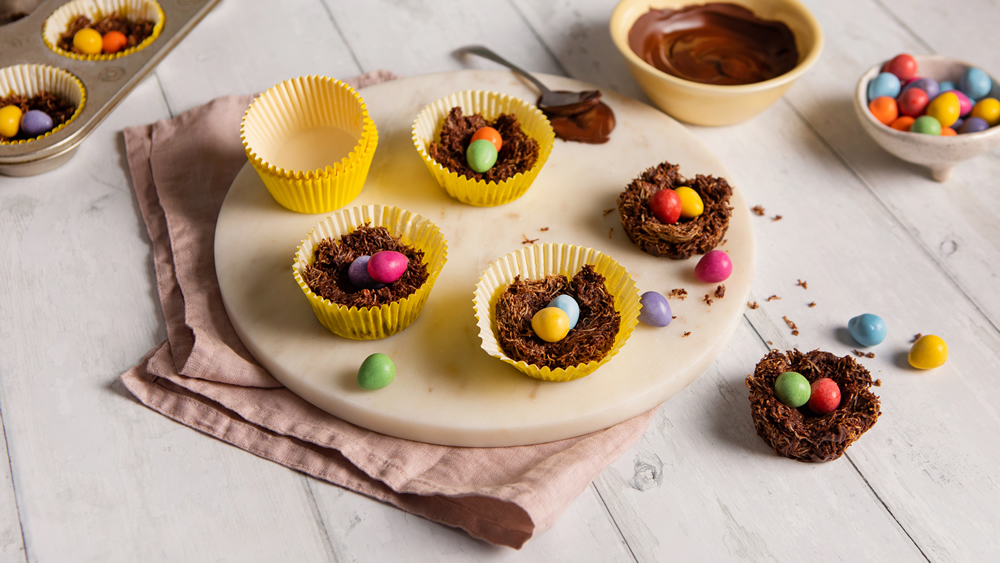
536	262
60	20
33	79
427	128
297	105
373	323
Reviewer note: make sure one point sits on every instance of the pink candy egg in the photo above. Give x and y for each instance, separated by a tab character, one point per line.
713	267
964	103
387	266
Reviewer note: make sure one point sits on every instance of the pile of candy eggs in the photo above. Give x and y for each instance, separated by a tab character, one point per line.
483	149
897	97
90	42
554	322
670	206
378	270
821	396
31	123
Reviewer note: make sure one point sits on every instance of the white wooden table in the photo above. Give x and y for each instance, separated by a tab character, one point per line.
88	474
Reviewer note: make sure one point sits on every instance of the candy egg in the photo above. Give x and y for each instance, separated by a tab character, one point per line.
958	124
666	206
691	203
481	155
655	309
88	41
824	396
928	85
10	121
944	108
551	324
903	66
490	134
357	272
36	122
884	109
714	267
927	125
569	306
964	103
387	266
867	329
792	389
975	83
948	132
113	41
903	123
913	102
885	84
376	372
988	110
928	352
947	85
973	125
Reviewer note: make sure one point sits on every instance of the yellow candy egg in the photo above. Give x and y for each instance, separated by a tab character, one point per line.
928	353
691	204
10	121
944	108
551	324
987	109
88	41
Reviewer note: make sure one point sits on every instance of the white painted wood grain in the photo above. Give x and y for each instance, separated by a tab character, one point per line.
11	544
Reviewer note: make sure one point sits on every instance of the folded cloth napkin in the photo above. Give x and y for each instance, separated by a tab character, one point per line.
203	377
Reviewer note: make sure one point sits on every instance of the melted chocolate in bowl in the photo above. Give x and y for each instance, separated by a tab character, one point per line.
723	44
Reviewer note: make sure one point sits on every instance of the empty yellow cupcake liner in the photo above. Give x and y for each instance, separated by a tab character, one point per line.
296	105
427	128
536	262
60	20
373	323
33	79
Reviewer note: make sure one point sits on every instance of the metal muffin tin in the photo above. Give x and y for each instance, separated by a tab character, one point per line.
106	82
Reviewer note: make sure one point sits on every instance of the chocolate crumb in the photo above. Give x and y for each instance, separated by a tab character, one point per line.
724	241
678	293
611	231
752	304
757	210
770	343
528	240
804	285
791	325
708	299
543	229
878	383
673	317
519	152
720	291
916	337
812	304
795	332
686	334
863	354
776	218
773	297
607	212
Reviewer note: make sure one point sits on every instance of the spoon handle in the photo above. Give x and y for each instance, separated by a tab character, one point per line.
488	54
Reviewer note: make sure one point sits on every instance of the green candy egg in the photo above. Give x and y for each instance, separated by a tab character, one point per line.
792	388
927	125
376	372
482	155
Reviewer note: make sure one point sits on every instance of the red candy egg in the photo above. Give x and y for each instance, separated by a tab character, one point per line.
666	205
825	396
490	134
387	266
913	102
903	66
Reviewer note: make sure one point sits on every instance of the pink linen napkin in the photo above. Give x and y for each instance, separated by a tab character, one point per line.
203	377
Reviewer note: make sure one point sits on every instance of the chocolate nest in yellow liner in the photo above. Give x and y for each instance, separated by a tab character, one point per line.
687	236
796	432
59	109
518	152
591	339
328	275
135	31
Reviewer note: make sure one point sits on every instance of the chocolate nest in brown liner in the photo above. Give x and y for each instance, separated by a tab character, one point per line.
590	340
687	236
328	278
135	31
59	110
796	432
518	152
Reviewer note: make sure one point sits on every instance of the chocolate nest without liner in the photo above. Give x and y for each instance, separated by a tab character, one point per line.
591	339
797	433
687	236
327	276
518	152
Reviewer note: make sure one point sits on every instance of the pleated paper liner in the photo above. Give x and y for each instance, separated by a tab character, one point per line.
427	128
33	79
297	105
133	10
536	262
372	323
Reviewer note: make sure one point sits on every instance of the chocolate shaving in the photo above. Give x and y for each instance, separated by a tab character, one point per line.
863	354
543	229
686	334
916	337
720	291
772	298
528	240
708	299
804	285
752	305
686	237
518	153
607	212
591	339
812	304
776	218
611	231
757	210
135	31
327	275
678	293
58	109
791	325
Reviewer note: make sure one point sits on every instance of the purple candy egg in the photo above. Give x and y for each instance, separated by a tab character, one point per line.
713	267
958	124
358	274
974	125
387	266
655	309
36	122
928	85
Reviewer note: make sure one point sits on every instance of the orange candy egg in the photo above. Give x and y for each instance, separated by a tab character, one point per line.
902	123
490	134
113	41
948	132
884	109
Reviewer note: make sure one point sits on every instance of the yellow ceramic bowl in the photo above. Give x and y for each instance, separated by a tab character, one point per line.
709	104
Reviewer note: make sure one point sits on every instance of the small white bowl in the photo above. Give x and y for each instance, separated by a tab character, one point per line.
939	154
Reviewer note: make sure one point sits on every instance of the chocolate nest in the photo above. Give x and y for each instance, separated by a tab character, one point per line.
328	278
59	110
518	152
590	340
687	236
797	433
135	31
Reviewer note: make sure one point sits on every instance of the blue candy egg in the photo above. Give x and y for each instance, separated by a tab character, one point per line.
928	85
357	272
36	122
975	83
885	84
867	329
569	306
655	309
947	85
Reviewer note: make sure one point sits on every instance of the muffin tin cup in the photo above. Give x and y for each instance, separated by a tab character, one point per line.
33	79
536	262
373	323
59	22
427	128
297	105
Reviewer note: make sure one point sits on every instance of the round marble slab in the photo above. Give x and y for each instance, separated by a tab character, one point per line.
447	389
